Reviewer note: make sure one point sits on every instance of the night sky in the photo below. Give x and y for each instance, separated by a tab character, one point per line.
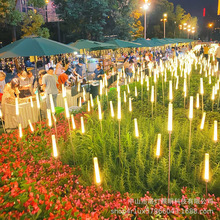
195	7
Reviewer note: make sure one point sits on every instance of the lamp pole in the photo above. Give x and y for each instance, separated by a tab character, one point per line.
146	6
164	24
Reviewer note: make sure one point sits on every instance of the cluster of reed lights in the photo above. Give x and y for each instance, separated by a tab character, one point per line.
179	68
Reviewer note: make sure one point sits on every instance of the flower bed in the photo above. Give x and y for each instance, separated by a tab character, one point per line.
33	185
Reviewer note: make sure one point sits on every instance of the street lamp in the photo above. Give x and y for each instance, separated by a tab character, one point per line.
210	25
145	7
164	24
47	2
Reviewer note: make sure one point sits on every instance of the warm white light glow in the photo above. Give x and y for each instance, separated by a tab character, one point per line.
97	173
66	108
84	94
197	101
63	90
1	113
203	121
20	131
38	101
80	102
32	105
91	100
158	145
16	106
206	176
100	88
31	126
82	125
125	98
88	103
112	110
135	92
215	131
73	122
119	108
191	108
128	88
54	144
201	86
170	91
136	128
52	104
49	118
99	110
213	93
170	117
152	94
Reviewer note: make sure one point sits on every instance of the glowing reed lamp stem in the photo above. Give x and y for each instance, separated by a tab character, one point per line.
112	110
52	104
136	128
170	117
32	105
97	173
49	118
203	121
158	145
170	91
82	125
201	86
135	92
125	98
73	122
215	131
206	176
99	110
119	108
54	144
91	99
130	105
66	108
38	101
88	106
191	108
152	94
197	101
84	94
31	126
63	90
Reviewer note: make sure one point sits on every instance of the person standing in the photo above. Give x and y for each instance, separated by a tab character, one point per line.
98	73
2	84
79	69
50	87
206	51
59	68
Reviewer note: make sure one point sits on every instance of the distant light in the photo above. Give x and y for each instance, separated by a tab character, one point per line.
204	12
146	7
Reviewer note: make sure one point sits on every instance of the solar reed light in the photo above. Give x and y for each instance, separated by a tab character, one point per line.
91	100
82	125
20	131
135	92
206	173
203	121
213	96
119	124
52	107
54	145
158	146
170	128
73	122
112	110
97	172
30	125
152	100
190	119
201	90
88	103
136	128
130	104
125	97
170	91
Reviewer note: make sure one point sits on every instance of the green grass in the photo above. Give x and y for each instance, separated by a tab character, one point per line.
136	170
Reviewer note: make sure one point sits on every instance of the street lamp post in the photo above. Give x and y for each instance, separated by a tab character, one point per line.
146	6
210	25
164	24
47	2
